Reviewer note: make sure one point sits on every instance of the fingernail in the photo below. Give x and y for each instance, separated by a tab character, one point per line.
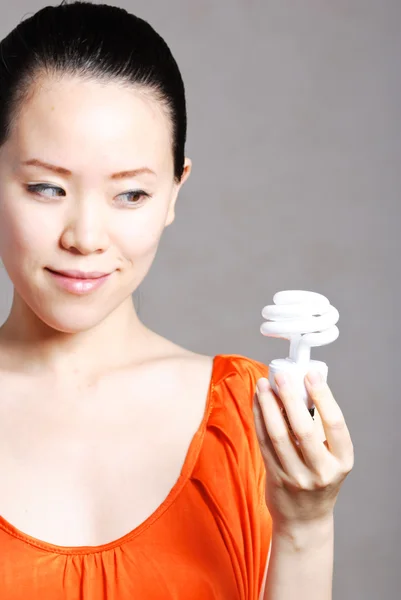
262	385
281	379
315	378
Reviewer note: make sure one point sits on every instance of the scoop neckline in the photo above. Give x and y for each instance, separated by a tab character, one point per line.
191	457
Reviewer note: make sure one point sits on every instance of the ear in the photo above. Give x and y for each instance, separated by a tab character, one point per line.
177	186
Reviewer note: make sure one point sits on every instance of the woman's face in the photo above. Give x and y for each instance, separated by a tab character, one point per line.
85	218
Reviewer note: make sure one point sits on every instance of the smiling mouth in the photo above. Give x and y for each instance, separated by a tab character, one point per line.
79	274
79	282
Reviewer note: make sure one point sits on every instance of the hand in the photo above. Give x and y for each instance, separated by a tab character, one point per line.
302	482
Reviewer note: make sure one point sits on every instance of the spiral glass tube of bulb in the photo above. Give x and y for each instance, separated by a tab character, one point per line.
306	319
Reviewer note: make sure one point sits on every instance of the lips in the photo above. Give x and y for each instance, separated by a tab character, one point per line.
79	282
79	274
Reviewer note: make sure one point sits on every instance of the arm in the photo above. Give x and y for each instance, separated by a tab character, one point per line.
300	564
303	480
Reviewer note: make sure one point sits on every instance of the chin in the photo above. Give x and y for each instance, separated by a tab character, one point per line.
64	312
61	314
72	323
72	319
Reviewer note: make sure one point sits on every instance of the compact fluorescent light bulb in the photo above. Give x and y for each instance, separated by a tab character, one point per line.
306	319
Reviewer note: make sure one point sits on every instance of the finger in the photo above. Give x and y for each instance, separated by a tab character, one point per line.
310	444
277	429
319	426
337	434
272	462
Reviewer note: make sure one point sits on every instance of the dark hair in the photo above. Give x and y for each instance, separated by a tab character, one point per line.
93	41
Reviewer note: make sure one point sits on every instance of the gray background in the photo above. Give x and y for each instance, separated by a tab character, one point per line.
295	134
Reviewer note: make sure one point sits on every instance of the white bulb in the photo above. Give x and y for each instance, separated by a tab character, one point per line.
306	319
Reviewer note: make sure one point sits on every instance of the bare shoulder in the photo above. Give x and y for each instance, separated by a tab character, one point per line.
191	367
187	368
197	367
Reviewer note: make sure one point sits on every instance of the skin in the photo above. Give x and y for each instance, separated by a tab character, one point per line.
302	484
303	481
90	224
76	351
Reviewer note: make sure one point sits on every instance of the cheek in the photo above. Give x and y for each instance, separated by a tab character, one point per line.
138	237
21	236
24	245
24	222
141	244
29	234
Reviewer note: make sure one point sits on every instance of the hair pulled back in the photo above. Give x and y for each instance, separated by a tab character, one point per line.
95	42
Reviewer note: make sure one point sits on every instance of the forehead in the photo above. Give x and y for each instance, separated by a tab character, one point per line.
94	120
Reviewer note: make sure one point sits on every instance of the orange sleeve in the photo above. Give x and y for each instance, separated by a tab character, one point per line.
244	388
250	371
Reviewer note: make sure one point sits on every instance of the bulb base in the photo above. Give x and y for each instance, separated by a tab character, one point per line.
297	372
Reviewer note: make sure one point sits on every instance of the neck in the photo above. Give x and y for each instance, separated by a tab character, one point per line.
28	344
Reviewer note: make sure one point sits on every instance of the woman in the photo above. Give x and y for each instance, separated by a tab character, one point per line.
131	467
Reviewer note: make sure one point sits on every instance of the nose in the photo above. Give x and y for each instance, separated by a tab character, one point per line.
85	231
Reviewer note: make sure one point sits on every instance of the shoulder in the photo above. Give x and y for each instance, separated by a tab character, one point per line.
240	371
188	367
231	374
221	370
226	369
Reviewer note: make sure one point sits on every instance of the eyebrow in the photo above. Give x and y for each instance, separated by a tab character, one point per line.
67	173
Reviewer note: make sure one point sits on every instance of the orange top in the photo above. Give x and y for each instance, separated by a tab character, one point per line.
209	539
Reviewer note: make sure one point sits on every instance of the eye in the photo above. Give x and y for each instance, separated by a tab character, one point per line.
137	197
37	188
